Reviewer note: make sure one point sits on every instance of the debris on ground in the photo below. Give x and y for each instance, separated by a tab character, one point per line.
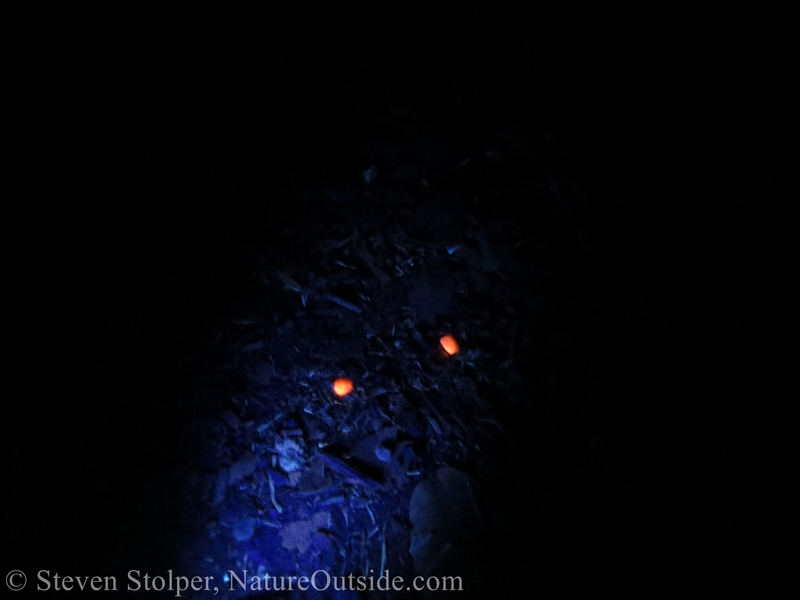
351	415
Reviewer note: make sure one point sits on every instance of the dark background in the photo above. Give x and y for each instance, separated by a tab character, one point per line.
148	150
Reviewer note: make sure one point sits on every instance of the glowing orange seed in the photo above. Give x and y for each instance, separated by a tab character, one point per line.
342	386
449	344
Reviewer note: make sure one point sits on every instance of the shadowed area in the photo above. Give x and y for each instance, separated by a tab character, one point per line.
212	217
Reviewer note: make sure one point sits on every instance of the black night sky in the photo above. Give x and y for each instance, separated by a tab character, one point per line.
150	152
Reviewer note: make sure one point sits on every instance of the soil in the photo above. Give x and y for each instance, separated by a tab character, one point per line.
287	477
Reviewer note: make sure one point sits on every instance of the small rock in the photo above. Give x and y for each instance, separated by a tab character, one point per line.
231	420
243	467
254	346
383	453
243	529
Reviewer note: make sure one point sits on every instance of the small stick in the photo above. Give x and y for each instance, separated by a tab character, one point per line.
272	494
343	468
343	303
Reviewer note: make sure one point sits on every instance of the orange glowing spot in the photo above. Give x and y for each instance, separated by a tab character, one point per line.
449	344
342	386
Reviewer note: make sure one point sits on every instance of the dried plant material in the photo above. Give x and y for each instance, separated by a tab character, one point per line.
290	455
383	285
343	303
274	500
313	483
376	451
361	473
298	535
369	260
340	349
288	282
405	416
